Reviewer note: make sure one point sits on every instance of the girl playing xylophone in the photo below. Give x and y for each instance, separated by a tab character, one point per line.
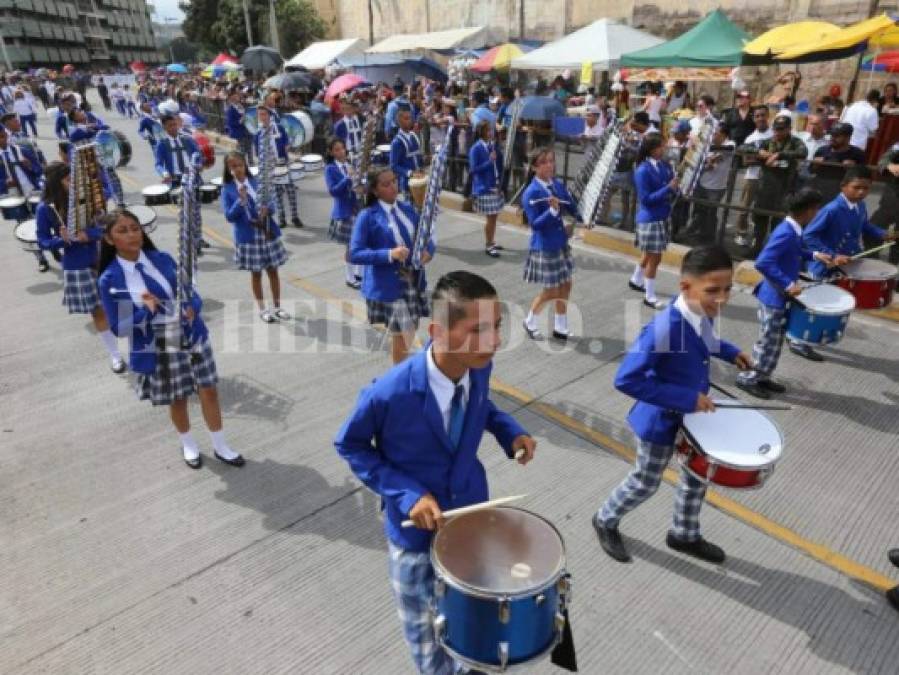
339	179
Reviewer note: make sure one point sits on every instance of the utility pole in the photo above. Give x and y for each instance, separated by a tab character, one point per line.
428	16
273	26
371	24
246	20
168	33
5	53
521	20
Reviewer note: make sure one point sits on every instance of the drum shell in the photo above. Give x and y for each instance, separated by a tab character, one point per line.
33	201
869	293
281	176
157	199
14	212
297	171
810	327
208	194
697	463
124	147
312	162
29	244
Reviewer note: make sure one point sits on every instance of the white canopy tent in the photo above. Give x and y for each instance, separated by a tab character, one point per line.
601	43
322	54
460	38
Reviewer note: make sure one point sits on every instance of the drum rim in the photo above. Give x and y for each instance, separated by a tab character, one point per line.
147	190
834	312
449	579
491	667
691	439
15	231
11	199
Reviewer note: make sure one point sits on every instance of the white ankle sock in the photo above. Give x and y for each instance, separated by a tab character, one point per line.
531	321
651	289
112	346
561	323
189	446
357	271
637	276
350	272
221	445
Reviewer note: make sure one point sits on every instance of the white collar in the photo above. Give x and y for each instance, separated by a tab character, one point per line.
695	320
654	162
243	183
130	267
852	207
442	387
797	228
546	184
388	207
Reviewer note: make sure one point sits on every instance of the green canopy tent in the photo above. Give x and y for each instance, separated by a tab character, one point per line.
714	41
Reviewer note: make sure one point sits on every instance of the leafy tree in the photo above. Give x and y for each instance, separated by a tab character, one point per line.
184	51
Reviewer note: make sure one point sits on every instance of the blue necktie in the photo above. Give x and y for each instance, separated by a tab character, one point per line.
457	416
153	287
407	238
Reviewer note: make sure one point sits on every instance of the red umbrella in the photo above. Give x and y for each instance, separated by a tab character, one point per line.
68	68
342	84
223	58
138	67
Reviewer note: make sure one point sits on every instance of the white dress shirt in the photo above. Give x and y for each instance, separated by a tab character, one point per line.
755	171
444	388
864	120
695	320
22	106
136	286
394	227
548	187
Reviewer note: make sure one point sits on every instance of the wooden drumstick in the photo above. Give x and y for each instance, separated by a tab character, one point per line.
474	507
753	406
871	250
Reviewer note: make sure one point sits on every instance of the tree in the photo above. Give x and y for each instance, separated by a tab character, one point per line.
219	24
183	50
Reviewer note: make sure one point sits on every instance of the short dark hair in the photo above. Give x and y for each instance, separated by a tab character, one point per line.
650	142
858	172
454	289
874	95
803	200
166	118
642	117
479	97
789	100
708	100
704	259
507	92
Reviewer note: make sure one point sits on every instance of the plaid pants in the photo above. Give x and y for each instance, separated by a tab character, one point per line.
246	147
766	351
642	483
116	184
412	582
291	192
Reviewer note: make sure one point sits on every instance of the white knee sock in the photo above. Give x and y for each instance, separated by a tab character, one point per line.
637	276
357	271
650	289
221	445
531	321
350	276
189	446
561	324
112	346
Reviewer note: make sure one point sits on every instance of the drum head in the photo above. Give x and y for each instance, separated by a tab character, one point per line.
299	128
145	215
26	231
209	188
383	148
155	190
312	159
738	438
499	551
871	270
217	181
827	299
11	202
279	171
108	151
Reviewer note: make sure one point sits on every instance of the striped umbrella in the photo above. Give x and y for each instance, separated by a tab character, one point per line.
498	58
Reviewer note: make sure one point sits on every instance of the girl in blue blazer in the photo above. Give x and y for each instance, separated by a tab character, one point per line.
485	163
339	179
79	257
382	240
549	260
656	189
169	346
288	189
257	238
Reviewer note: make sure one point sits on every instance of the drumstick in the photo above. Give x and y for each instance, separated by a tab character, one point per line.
872	250
546	199
722	390
754	406
474	507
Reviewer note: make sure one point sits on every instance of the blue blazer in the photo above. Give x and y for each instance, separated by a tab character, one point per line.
780	262
234	125
62	125
280	142
404	160
484	171
340	187
127	319
837	230
666	369
547	231
370	245
395	442
85	133
77	255
653	193
35	172
341	131
165	162
236	214
147	127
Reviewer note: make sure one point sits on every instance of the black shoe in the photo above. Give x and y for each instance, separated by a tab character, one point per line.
354	284
57	254
702	549
893	597
560	336
805	352
296	222
237	461
534	334
772	386
635	287
492	251
194	463
610	540
754	388
654	304
43	266
118	366
893	555
205	244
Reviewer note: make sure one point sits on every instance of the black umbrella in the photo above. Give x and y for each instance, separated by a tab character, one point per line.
261	59
298	81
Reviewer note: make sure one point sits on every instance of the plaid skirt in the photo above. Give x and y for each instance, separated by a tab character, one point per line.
79	291
178	374
488	204
401	315
652	237
260	254
550	268
340	230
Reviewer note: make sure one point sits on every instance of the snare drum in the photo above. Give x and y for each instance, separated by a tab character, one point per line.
731	447
280	175
145	216
819	314
34	200
381	155
157	194
872	282
26	234
500	587
208	193
11	207
297	172
312	162
217	181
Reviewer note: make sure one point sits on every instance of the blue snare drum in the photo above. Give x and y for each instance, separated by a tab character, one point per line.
819	314
501	587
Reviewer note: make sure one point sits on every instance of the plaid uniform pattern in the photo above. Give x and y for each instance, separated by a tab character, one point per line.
401	315
178	374
412	583
290	192
489	204
766	350
643	481
652	237
79	291
340	230
260	254
550	268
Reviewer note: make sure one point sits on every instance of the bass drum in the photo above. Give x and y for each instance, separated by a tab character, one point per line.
299	128
206	149
108	151
124	148
251	119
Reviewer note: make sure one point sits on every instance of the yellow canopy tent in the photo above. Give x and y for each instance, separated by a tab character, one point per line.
770	45
844	42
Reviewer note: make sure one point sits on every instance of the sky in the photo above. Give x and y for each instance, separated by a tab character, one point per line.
167	8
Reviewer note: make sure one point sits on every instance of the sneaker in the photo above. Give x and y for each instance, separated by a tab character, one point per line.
296	222
893	597
43	266
492	251
610	540
355	284
267	316
282	314
702	549
773	387
635	287
533	333
805	351
118	366
655	303
754	388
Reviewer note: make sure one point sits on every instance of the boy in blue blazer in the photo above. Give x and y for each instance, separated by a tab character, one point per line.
667	371
148	127
349	128
413	439
235	127
405	153
780	262
279	140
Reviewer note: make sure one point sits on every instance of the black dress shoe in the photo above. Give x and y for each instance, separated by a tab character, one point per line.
57	254
237	461
754	388
43	266
654	304
205	244
118	366
893	555
296	222
194	463
772	386
702	549
805	352
533	333
354	284
610	540
893	597
635	287
560	336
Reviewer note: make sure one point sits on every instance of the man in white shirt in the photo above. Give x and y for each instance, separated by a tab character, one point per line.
705	108
593	128
712	186
862	115
753	173
814	136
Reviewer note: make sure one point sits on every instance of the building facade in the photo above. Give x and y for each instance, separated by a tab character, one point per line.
95	33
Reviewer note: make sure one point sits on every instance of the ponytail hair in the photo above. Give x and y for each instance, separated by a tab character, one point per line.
650	142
